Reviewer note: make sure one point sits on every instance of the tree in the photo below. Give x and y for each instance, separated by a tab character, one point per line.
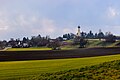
65	36
76	40
83	34
60	38
12	42
100	34
24	40
96	35
69	36
110	38
83	43
39	41
5	43
90	35
54	44
2	45
80	41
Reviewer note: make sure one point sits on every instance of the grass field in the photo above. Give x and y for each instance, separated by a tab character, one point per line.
98	43
104	71
25	69
37	49
28	49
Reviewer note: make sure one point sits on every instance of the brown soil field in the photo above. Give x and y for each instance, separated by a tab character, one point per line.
60	54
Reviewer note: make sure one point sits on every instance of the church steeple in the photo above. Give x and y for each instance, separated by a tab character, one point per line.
79	34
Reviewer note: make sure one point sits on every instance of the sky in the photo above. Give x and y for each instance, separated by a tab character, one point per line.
26	18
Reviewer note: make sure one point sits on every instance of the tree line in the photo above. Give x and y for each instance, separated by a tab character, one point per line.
39	41
35	41
100	35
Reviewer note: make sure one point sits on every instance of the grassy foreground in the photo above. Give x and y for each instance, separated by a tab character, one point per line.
104	71
25	69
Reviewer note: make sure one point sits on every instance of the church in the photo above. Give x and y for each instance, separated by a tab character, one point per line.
78	33
77	37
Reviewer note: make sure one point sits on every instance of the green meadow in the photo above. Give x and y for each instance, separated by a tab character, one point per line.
13	70
28	49
98	43
104	71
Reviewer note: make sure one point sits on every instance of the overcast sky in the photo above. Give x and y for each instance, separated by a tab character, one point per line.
19	18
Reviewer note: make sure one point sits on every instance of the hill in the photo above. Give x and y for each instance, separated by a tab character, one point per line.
98	43
91	43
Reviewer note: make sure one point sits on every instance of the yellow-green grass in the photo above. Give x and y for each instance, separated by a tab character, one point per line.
92	43
39	48
104	71
23	69
98	43
114	44
28	49
69	47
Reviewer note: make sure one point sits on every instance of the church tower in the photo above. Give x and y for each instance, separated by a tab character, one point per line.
79	34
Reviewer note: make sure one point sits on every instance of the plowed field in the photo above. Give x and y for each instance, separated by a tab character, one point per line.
61	54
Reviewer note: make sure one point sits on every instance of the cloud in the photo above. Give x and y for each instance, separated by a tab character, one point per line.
3	25
4	22
45	27
3	28
55	17
112	12
20	25
69	29
34	25
48	26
